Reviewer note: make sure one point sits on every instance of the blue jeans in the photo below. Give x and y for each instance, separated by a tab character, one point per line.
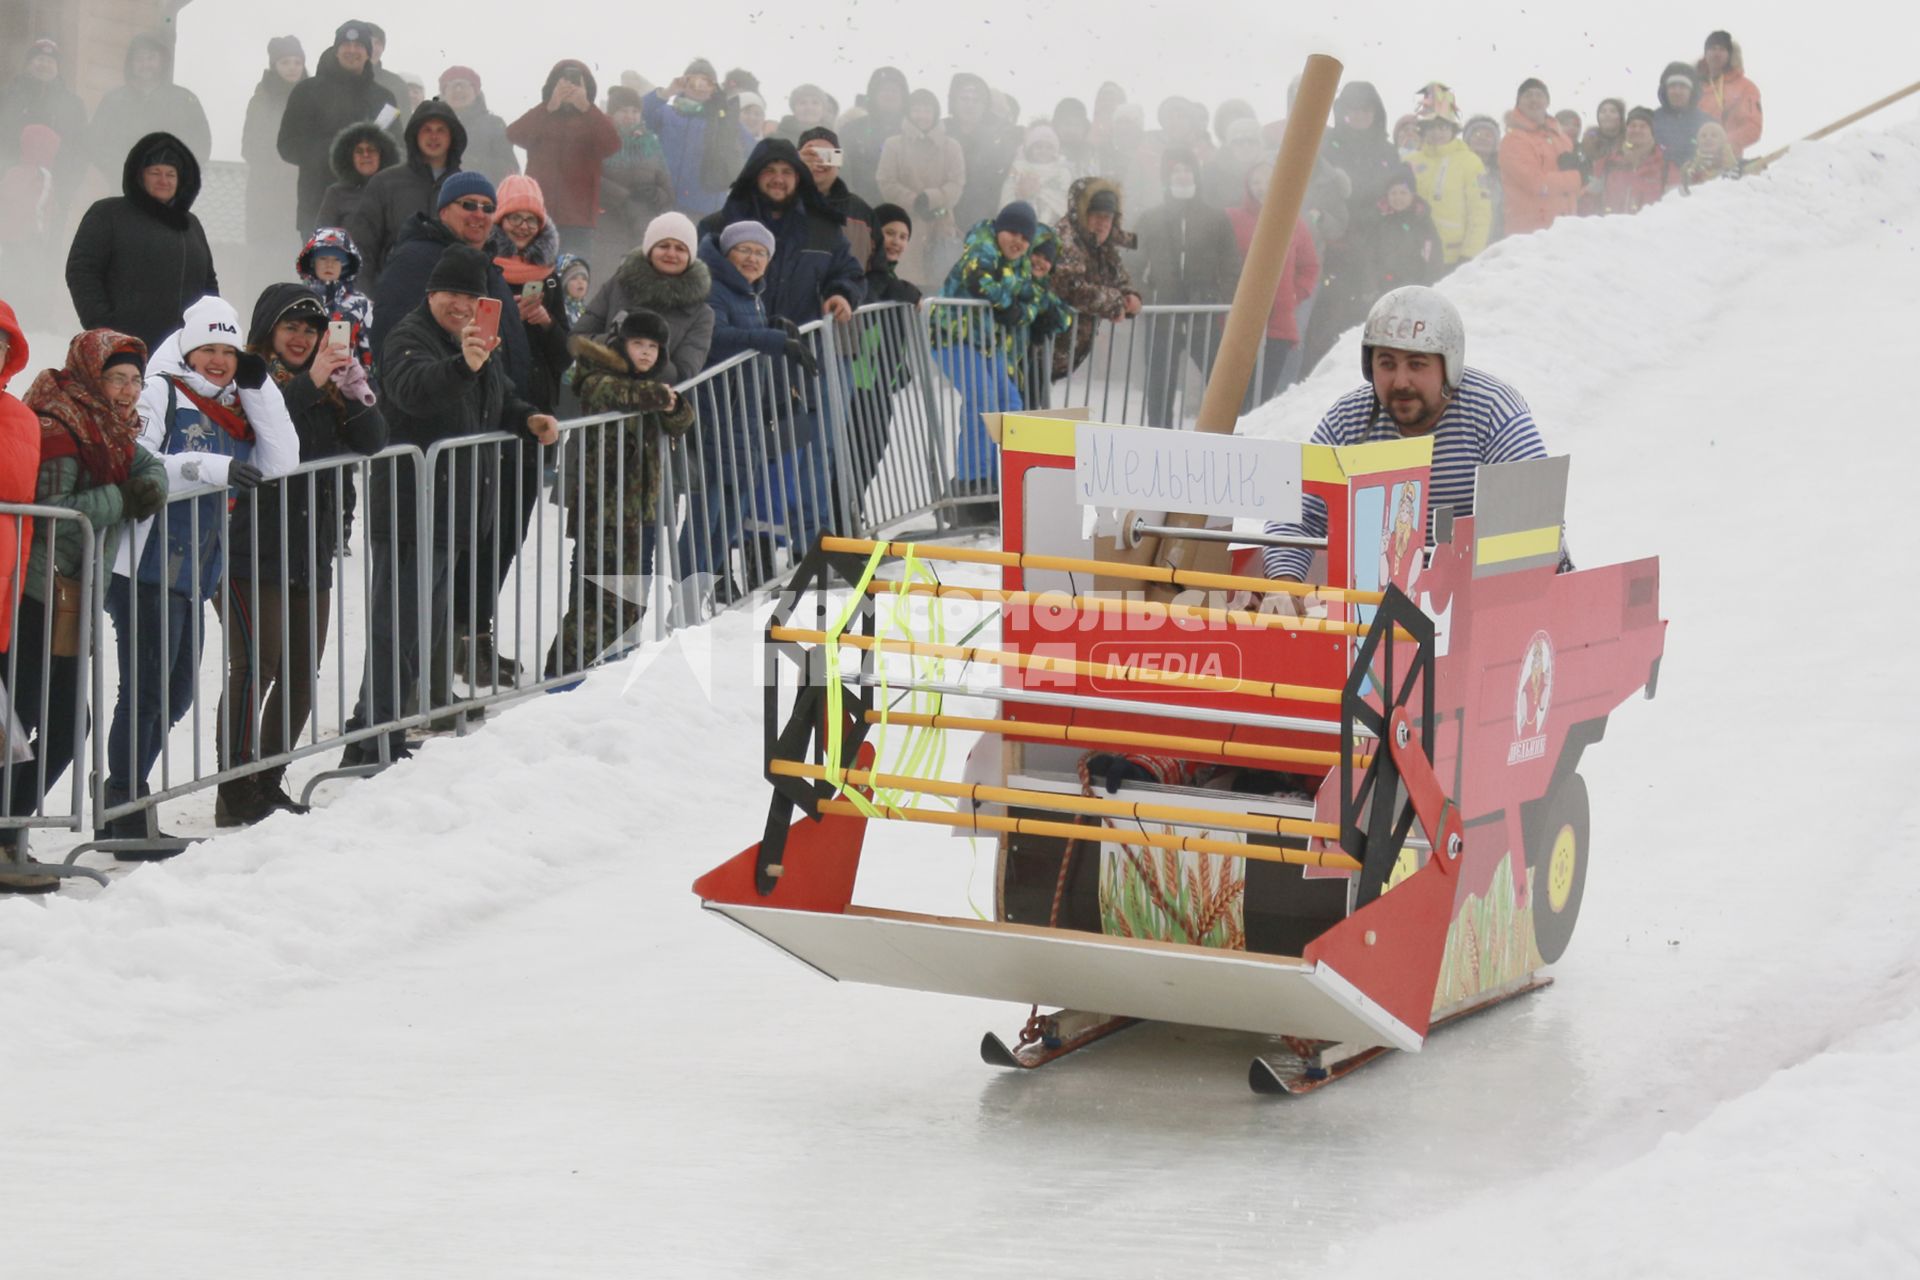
161	656
986	386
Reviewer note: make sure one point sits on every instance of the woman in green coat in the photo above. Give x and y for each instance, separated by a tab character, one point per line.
91	462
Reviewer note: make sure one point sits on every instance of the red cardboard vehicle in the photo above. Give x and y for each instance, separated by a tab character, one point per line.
1205	813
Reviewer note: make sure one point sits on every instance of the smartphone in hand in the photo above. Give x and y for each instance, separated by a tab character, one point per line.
486	318
532	290
340	334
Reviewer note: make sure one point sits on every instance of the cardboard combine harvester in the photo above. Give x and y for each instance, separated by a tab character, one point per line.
1373	820
1339	829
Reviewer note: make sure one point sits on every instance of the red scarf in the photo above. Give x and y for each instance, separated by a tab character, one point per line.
519	271
231	420
75	419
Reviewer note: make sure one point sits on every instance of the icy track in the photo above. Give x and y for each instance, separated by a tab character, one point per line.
469	1021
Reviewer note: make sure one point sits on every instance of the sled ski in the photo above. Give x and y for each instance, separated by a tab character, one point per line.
1060	1034
1315	1064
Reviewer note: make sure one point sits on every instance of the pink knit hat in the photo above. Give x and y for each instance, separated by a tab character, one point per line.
519	194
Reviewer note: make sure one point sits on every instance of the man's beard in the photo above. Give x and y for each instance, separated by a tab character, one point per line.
1409	411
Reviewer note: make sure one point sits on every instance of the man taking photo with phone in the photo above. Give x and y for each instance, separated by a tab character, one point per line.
441	380
463	214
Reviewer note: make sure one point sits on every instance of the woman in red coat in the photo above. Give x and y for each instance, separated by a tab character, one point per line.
19	473
19	470
567	139
1639	173
1299	277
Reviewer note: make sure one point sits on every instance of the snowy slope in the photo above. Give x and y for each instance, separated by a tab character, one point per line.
469	1020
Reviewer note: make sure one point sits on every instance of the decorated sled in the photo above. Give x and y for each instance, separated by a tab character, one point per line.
1339	828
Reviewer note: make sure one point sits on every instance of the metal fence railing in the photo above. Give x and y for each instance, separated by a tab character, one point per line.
1150	370
361	600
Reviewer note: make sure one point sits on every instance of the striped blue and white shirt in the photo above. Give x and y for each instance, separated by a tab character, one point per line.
1487	421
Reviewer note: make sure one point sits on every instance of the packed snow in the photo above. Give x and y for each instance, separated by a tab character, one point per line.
469	1020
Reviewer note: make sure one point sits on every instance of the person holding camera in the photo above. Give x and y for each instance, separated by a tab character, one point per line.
440	381
567	138
281	548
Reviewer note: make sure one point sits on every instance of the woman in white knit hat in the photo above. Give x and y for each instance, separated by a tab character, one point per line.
663	276
213	417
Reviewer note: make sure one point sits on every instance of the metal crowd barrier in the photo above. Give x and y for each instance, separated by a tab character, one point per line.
1148	371
361	599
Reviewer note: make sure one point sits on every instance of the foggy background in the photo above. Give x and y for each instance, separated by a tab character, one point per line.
1809	71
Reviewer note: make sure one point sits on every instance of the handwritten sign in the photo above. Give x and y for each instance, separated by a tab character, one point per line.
1153	469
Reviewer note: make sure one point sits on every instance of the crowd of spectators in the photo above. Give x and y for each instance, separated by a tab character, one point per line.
637	234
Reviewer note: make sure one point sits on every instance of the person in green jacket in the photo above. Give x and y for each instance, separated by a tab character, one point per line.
610	477
91	462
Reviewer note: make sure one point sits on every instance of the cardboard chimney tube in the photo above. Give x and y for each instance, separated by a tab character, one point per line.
1259	279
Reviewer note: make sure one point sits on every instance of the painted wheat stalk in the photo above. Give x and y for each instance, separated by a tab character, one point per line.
1169	896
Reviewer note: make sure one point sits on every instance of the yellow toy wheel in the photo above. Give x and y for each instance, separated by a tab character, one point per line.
1557	866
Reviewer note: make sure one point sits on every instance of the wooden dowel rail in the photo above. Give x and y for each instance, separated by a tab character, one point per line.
1093	806
1173	743
1331	859
1066	564
1132	608
1071	666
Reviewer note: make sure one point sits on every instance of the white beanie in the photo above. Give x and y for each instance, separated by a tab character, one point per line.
669	226
210	322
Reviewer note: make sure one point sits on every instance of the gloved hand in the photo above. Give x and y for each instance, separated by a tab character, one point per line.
351	378
251	372
791	329
1114	771
650	396
244	475
142	496
798	352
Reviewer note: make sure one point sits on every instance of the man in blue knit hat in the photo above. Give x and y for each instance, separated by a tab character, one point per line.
464	215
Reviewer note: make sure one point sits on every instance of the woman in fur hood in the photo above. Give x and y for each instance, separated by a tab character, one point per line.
359	151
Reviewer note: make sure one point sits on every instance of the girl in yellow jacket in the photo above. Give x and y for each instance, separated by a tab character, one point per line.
1453	182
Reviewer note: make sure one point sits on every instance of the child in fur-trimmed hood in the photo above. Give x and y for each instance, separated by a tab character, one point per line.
329	265
610	482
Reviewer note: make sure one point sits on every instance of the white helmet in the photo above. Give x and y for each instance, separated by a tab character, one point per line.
1416	318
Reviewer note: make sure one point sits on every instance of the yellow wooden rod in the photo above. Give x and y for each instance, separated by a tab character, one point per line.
1169	742
1135	608
1132	572
1330	858
982	793
1042	662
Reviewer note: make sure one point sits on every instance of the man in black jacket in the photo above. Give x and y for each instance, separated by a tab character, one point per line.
436	141
820	149
464	216
341	91
139	259
439	383
813	275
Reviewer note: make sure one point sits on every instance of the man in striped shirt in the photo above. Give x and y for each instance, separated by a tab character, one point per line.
1414	357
